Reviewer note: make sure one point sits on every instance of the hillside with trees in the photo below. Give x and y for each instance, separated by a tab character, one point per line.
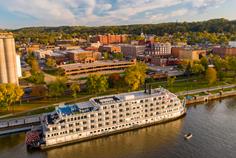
215	31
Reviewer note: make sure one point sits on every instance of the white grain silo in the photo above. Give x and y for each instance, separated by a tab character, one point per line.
8	73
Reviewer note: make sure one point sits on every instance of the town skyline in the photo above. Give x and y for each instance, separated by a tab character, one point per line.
19	13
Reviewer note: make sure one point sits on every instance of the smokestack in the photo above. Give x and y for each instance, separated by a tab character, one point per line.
150	89
145	86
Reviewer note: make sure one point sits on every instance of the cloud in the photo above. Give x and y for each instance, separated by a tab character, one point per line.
104	12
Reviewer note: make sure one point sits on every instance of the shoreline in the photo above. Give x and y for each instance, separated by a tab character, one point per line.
14	125
210	97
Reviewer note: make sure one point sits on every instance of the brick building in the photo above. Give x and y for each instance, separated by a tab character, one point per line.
109	39
110	48
224	51
188	54
83	56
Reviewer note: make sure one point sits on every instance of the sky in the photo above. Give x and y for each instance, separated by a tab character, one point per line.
25	13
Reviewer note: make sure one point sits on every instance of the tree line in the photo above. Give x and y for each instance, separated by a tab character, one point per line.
217	29
213	67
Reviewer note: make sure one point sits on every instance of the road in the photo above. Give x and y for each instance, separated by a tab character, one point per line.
204	90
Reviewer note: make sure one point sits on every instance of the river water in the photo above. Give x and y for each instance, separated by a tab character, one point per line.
212	124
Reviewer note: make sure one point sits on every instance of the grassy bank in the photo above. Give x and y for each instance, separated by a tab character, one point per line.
47	105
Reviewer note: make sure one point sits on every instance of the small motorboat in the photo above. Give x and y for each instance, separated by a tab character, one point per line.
188	136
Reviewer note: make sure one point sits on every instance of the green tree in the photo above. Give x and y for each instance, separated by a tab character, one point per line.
204	62
102	84
220	65
105	55
75	88
170	81
118	56
135	75
231	60
57	88
96	83
211	75
9	93
37	78
197	69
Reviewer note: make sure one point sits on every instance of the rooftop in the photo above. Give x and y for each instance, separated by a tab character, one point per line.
94	103
69	109
94	64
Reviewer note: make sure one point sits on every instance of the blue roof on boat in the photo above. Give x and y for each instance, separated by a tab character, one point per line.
72	108
67	110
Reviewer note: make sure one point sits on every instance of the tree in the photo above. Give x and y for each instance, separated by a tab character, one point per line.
204	62
57	88
114	79
96	83
170	81
197	69
51	62
106	55
75	88
9	93
135	75
102	84
232	64
37	78
118	56
35	66
220	65
211	75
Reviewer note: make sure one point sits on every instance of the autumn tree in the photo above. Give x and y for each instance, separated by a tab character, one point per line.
114	80
51	63
75	88
9	93
135	76
211	75
35	68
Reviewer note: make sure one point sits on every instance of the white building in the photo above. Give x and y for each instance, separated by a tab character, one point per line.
232	44
158	49
39	54
18	66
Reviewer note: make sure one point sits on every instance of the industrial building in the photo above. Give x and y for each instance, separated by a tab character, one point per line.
10	68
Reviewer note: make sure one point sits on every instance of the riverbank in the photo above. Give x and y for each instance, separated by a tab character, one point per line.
210	96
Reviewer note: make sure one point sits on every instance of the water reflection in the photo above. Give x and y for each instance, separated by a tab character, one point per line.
128	143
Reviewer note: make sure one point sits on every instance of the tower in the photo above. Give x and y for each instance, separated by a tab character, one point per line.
8	64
